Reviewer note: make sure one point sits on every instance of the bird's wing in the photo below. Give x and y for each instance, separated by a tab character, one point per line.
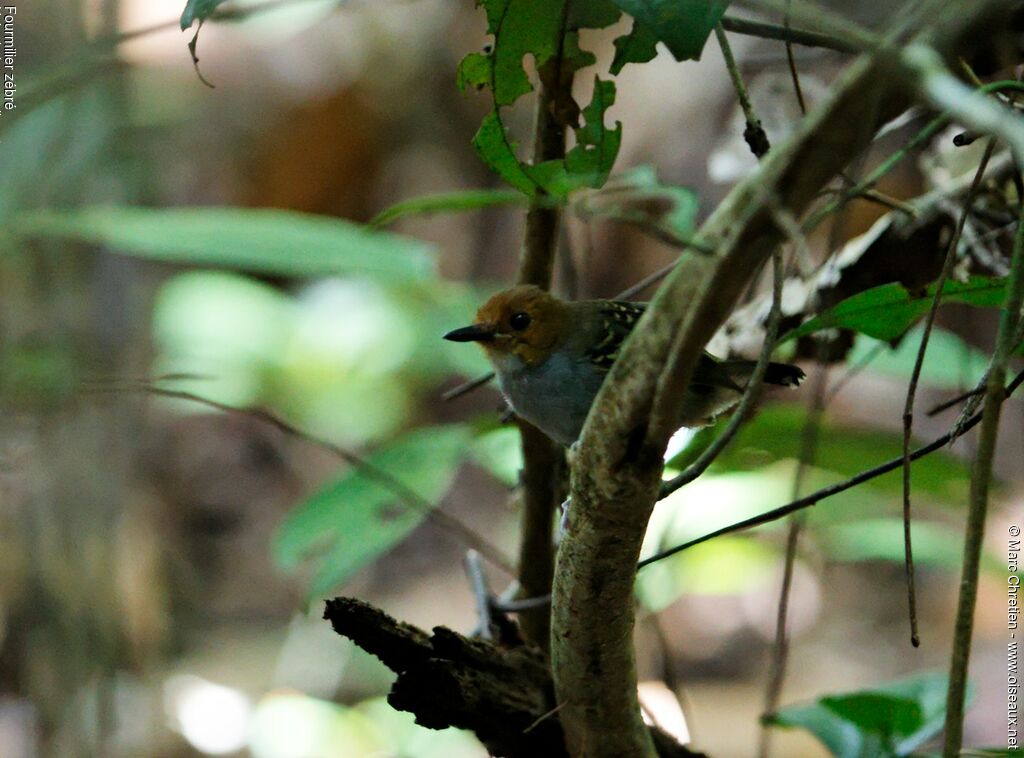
618	317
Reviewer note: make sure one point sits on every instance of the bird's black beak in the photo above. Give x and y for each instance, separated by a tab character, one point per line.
473	333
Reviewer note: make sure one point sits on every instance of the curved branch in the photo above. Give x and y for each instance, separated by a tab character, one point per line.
617	472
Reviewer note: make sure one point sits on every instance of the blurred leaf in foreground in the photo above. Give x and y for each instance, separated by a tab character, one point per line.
886	722
354	519
260	240
198	10
949	363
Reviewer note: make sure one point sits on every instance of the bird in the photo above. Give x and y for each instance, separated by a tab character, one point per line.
551	357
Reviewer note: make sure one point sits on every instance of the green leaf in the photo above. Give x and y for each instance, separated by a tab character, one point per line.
492	144
586	165
887	311
283	243
476	71
890	720
538	28
198	10
448	202
521	28
354	519
639	46
683	25
591	160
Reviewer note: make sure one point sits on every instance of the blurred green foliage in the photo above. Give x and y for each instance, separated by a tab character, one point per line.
291	725
889	721
355	518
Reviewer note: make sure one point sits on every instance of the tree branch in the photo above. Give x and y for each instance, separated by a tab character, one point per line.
543	460
816	497
618	467
981	476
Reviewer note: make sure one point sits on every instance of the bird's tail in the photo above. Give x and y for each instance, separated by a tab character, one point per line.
782	374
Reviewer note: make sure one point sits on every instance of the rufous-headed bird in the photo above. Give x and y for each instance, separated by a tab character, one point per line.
551	356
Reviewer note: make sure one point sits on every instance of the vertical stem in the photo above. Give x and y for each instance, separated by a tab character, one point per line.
780	648
908	409
542	458
754	133
981	474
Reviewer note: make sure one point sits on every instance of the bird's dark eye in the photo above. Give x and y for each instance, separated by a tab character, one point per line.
519	321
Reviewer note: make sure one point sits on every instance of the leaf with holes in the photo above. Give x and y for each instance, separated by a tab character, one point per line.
683	25
591	160
355	518
638	46
494	147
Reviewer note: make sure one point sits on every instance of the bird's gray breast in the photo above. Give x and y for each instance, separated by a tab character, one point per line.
554	396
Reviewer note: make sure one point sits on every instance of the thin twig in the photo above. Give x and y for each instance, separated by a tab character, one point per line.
926	133
521	604
791	62
981	476
750	394
826	492
754	133
482	597
403	492
780	646
544	717
839	384
803	37
915	375
466	387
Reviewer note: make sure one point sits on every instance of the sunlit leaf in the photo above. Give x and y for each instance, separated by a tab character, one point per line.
269	241
683	25
886	722
500	452
354	519
887	311
725	566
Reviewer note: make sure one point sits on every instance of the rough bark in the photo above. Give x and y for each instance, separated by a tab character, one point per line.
501	692
617	469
